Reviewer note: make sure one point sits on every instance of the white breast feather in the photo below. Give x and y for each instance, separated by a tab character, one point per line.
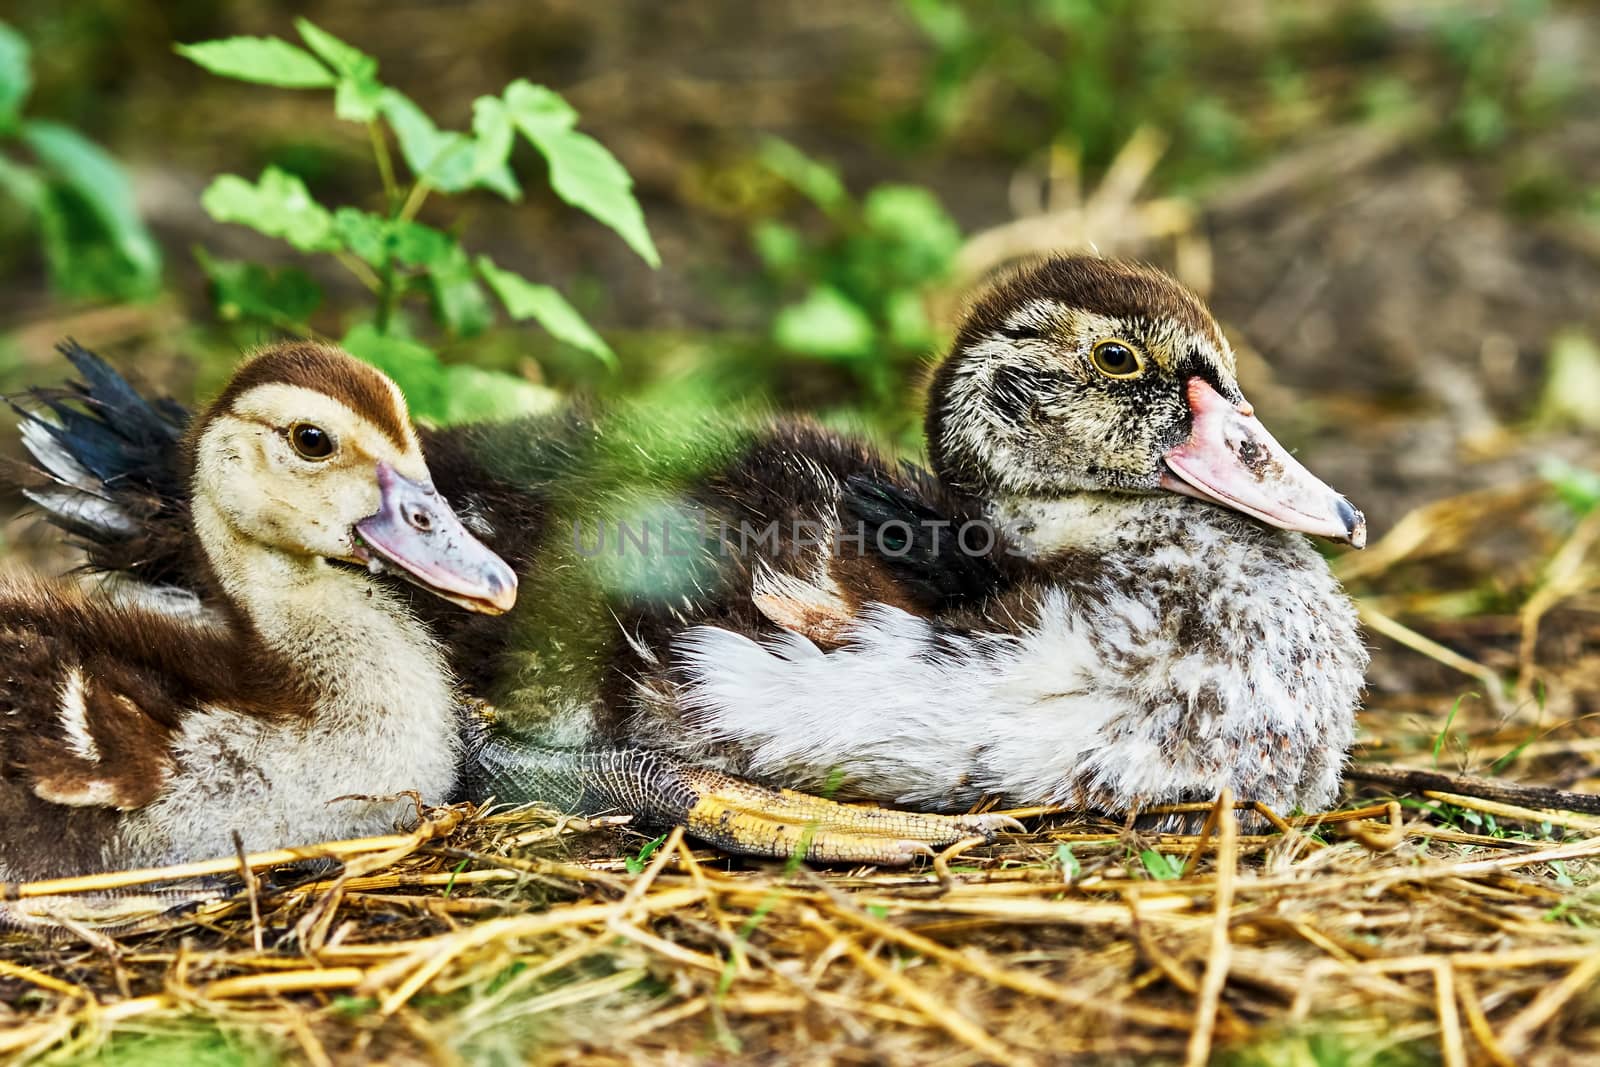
376	733
1102	695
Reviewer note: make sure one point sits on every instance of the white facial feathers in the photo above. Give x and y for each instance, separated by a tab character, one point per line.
249	472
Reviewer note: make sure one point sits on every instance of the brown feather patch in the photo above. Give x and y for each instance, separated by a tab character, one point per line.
1108	287
327	370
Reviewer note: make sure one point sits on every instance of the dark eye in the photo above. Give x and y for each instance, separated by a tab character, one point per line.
312	442
1117	360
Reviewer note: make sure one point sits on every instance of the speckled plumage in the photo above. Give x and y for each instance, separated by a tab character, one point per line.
1137	646
1120	645
1178	654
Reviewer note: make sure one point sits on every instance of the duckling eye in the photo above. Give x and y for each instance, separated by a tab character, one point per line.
1117	360
312	442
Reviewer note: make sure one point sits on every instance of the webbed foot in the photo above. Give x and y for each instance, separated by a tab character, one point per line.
756	820
731	813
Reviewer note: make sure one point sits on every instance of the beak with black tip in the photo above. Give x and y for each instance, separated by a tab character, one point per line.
1230	459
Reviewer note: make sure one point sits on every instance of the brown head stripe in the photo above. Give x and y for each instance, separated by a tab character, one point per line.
327	370
1101	286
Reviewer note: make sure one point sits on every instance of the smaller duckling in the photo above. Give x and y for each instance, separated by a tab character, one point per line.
306	701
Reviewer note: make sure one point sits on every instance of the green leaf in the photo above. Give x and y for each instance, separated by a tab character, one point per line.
16	78
534	107
84	260
426	148
526	300
780	247
587	176
1161	867
264	60
491	126
22	184
359	94
417	244
910	221
636	864
377	239
363	234
1070	867
458	300
945	24
444	158
414	367
817	181
476	395
501	180
909	325
84	167
491	155
343	58
279	205
358	100
1444	731
582	171
285	298
827	324
1578	487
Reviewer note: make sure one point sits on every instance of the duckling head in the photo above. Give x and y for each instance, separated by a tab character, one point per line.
1079	374
311	454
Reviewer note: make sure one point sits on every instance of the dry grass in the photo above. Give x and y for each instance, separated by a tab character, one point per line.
491	936
1445	926
1453	924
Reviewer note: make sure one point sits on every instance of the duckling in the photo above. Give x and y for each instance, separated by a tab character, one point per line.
1160	628
305	700
104	474
1144	625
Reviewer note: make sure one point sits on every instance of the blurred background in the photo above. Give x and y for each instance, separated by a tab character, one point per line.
1394	208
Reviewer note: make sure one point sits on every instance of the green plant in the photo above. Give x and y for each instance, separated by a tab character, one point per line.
637	863
1070	867
196	1043
862	277
1087	73
1160	866
1500	83
1578	488
75	194
401	261
1444	731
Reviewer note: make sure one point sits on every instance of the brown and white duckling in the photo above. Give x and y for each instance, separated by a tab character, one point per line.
573	729
1157	629
1151	639
309	697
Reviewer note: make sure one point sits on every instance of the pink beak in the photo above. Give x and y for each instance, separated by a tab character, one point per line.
1231	459
415	534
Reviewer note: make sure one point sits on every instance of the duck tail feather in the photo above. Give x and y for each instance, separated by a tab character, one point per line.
104	390
105	466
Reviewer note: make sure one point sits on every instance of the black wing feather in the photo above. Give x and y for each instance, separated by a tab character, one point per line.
918	528
132	515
